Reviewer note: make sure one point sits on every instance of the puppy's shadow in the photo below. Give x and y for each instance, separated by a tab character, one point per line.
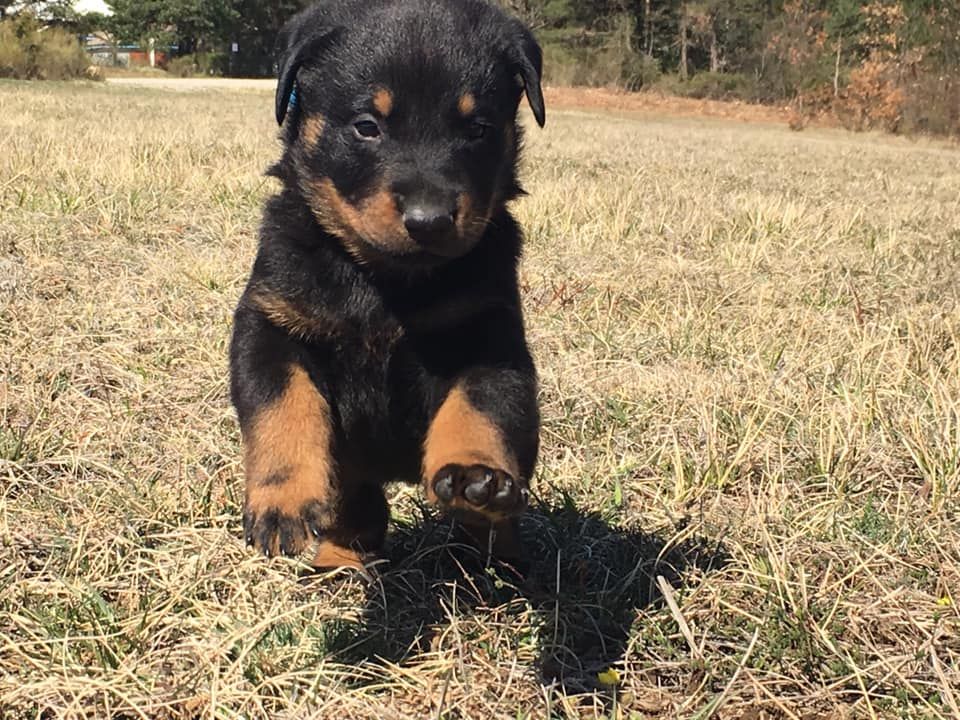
584	582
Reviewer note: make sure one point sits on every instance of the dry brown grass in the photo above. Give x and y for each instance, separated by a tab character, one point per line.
749	343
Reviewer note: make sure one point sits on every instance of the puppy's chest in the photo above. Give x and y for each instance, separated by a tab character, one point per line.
374	341
363	327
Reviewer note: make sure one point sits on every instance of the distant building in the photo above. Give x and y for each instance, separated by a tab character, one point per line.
104	51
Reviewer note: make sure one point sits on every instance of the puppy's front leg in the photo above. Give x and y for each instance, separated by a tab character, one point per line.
480	450
294	490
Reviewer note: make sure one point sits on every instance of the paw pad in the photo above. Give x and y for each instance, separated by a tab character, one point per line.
481	489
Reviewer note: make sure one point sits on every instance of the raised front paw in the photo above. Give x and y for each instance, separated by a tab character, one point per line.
479	489
276	522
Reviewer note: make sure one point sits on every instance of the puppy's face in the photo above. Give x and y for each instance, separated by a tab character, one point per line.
403	137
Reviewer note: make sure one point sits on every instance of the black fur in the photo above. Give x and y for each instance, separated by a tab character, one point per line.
403	322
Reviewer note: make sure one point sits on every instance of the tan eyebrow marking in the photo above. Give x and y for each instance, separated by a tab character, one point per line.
467	104
383	101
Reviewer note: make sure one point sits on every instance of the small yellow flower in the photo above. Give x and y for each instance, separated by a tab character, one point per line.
945	601
608	677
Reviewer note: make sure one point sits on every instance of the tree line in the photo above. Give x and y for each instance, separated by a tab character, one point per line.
885	63
235	36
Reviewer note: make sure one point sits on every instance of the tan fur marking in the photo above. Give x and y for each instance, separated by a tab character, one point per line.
463	435
311	130
470	223
331	555
376	220
284	314
380	217
467	104
383	101
289	439
329	207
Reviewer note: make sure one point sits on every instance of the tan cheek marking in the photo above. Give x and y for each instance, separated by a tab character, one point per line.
470	223
380	217
467	104
463	435
377	219
287	450
334	214
464	210
295	320
383	101
311	129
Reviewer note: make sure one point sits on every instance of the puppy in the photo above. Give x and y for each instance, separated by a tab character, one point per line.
380	336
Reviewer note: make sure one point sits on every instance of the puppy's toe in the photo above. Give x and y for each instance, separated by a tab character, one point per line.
480	489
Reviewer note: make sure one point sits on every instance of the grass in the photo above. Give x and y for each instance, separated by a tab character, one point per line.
749	344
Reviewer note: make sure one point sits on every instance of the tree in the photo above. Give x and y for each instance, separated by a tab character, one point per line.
255	29
797	42
202	26
134	20
190	25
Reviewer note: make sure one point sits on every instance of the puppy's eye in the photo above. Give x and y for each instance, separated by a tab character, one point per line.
366	128
476	130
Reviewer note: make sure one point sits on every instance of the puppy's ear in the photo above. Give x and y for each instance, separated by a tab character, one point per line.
300	39
527	59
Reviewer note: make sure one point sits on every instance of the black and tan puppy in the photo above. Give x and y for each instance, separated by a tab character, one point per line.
380	336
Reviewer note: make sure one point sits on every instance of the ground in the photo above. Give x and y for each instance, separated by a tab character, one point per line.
748	503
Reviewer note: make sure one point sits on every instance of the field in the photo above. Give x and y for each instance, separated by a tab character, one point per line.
748	501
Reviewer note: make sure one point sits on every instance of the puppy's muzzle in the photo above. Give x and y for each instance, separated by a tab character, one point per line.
431	221
429	225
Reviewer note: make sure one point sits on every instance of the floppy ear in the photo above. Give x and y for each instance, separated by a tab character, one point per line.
296	44
528	62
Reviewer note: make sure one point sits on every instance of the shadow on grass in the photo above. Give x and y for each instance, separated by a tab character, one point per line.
585	582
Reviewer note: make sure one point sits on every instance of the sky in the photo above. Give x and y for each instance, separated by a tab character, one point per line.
91	6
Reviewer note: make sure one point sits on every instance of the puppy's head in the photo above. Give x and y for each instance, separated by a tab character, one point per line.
399	119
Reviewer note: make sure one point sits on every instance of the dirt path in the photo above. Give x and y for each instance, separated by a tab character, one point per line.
201	83
557	97
656	104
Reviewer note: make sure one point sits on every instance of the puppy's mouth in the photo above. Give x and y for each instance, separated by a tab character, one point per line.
375	230
406	249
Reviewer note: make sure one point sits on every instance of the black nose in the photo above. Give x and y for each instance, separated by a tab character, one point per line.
428	224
